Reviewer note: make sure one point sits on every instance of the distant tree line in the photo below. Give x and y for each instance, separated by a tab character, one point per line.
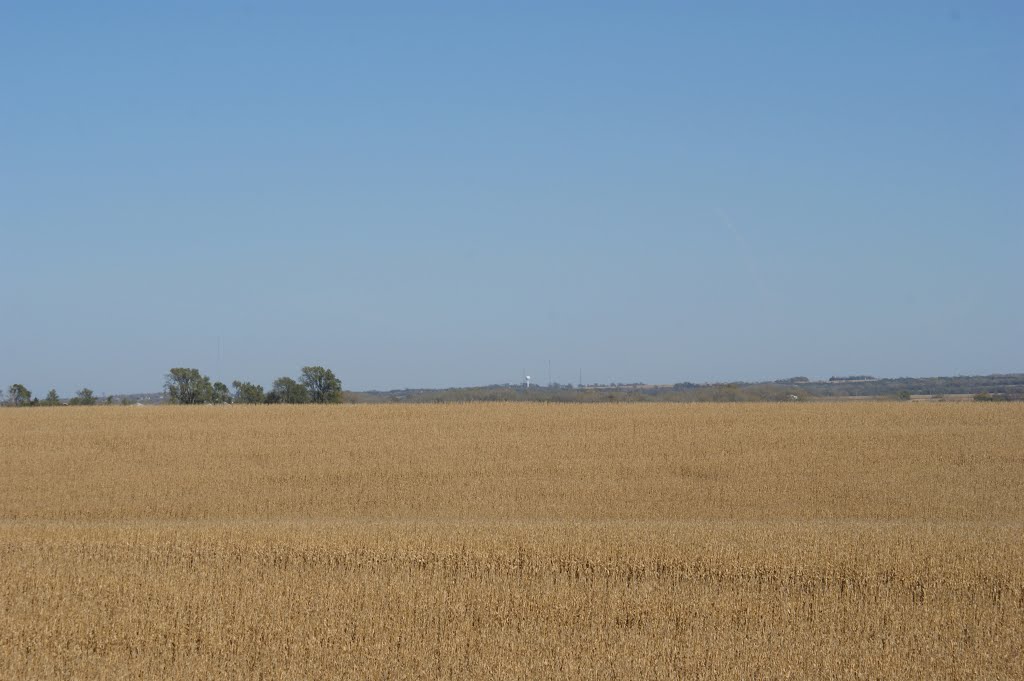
1009	386
20	396
319	385
998	397
316	385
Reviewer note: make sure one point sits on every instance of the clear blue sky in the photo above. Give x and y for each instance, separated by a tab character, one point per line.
435	194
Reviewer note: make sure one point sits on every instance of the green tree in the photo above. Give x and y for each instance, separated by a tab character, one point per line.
18	395
220	394
52	399
83	398
188	386
288	391
248	393
323	386
903	395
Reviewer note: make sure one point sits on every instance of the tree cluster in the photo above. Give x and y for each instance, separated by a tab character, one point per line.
20	396
315	385
998	397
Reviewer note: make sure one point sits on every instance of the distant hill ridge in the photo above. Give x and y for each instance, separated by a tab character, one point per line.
1008	386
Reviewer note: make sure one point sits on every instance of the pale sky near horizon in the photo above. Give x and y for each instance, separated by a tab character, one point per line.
443	194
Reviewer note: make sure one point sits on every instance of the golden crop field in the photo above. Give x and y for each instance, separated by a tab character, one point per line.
821	540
